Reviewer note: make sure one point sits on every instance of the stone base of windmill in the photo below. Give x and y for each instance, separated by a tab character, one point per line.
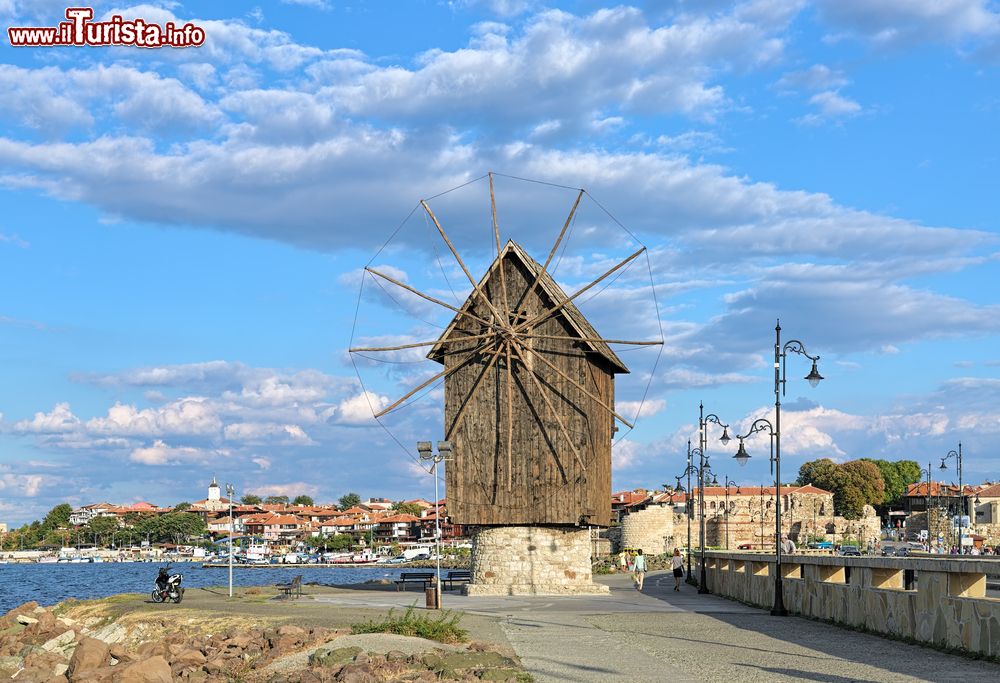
532	560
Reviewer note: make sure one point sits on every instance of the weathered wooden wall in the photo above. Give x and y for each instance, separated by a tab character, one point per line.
541	481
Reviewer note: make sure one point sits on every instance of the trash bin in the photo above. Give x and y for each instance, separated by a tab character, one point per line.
431	593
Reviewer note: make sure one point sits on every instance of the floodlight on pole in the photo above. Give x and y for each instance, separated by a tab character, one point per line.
426	451
230	493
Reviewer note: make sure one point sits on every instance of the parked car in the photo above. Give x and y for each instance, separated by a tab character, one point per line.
745	546
851	550
399	559
888	551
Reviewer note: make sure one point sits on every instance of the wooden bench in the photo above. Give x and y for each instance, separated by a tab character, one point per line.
288	588
456	576
424	578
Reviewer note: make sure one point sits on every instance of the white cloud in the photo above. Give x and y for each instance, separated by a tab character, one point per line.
359	409
291	490
648	408
189	416
13	240
27	485
832	104
816	77
257	433
262	463
900	22
162	454
626	454
60	419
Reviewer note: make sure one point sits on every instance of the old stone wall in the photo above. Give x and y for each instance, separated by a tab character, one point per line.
532	560
651	529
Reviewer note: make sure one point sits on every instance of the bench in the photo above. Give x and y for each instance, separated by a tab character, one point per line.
424	578
456	576
288	588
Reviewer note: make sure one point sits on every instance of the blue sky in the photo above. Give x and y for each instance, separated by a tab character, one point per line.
182	231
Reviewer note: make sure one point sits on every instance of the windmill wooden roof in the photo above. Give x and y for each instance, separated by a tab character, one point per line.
546	284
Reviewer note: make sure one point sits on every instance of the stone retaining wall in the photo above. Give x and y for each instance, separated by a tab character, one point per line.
532	560
939	601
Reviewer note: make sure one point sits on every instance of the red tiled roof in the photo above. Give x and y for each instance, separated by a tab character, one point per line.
284	519
398	519
936	489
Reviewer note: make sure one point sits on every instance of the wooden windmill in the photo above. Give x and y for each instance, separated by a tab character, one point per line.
529	393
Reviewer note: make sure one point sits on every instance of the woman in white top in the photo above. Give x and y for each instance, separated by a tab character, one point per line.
677	563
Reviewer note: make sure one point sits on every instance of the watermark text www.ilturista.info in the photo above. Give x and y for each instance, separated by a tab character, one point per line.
80	30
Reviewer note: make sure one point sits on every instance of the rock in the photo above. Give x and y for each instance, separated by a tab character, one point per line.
152	648
63	644
151	670
395	656
111	633
118	652
361	658
188	658
9	665
90	654
357	673
60	669
291	630
26	620
23	609
329	657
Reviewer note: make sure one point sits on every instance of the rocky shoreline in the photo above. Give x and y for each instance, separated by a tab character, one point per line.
100	642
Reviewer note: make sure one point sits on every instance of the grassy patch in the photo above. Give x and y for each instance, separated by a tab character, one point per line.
443	629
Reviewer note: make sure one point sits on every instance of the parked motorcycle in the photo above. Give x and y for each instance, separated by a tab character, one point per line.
168	586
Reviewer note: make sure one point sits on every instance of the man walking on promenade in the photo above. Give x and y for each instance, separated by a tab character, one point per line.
639	568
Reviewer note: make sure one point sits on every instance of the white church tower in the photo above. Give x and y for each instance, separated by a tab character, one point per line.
214	493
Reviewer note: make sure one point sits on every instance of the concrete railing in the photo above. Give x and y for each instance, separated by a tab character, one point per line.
939	601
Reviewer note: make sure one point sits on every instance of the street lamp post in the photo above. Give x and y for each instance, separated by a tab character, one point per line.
689	507
780	365
699	472
703	421
230	492
729	483
961	491
444	453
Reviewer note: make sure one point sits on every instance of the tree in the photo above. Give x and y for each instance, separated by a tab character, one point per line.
58	517
896	476
407	508
173	526
819	473
250	499
276	500
857	483
303	500
349	500
181	507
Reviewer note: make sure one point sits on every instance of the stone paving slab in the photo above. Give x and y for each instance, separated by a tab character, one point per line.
663	635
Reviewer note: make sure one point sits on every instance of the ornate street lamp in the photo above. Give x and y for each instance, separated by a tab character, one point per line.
427	454
700	473
729	483
703	422
961	491
814	378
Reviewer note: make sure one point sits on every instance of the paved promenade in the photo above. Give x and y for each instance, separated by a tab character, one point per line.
660	635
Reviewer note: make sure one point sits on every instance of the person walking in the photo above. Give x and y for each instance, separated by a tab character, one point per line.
639	568
677	564
623	561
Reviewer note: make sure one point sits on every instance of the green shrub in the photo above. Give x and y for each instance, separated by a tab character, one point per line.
443	629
